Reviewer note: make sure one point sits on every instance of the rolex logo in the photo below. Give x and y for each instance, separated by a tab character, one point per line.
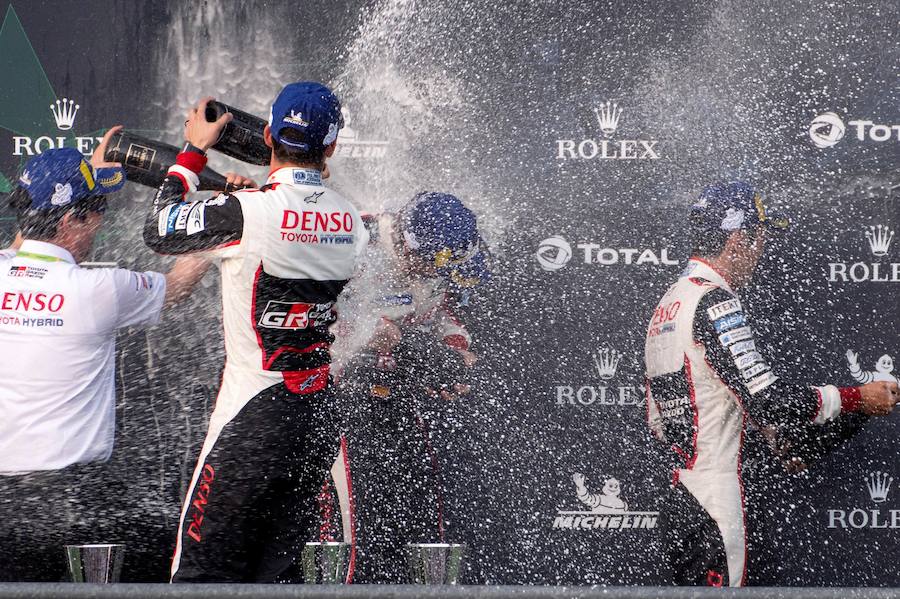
607	361
608	116
879	484
64	112
880	238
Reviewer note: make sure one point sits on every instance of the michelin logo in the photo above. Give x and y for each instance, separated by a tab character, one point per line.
608	510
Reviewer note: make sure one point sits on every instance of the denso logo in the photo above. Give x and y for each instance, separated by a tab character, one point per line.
317	222
32	302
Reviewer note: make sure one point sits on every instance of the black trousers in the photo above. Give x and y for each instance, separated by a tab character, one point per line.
397	485
41	512
255	504
695	552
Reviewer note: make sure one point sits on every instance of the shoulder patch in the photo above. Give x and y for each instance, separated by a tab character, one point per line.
724	308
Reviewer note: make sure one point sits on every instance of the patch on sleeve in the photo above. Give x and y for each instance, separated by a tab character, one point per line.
748	359
731	337
753	371
166	223
141	281
196	220
729	322
761	383
724	308
742	347
182	217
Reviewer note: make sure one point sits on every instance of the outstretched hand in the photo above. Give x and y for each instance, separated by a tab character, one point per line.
198	131
98	158
879	398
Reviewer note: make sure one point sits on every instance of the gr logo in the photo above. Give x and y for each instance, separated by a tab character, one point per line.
285	315
553	253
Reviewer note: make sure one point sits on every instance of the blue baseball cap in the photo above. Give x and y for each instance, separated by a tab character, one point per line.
733	205
310	108
62	177
439	228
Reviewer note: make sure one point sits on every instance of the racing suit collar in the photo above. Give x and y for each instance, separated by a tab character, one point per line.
41	250
292	175
698	267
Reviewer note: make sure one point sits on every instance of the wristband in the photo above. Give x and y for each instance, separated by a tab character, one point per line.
191	161
189	147
851	399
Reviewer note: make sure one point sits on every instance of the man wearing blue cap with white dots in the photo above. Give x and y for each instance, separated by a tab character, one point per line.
428	258
708	382
58	326
285	251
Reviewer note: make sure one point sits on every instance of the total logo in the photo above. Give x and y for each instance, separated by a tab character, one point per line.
352	145
879	239
64	112
608	114
878	485
827	129
606	362
606	510
555	252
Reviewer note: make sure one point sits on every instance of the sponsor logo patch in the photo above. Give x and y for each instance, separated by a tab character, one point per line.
742	347
761	383
724	309
736	335
729	322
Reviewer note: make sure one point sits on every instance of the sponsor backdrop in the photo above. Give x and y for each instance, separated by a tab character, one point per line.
580	135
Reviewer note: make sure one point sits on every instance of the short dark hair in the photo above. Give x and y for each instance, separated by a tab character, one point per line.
710	242
292	155
41	225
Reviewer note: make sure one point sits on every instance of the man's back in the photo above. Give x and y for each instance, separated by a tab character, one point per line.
57	336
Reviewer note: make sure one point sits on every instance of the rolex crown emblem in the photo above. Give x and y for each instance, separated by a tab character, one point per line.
607	361
879	484
64	113
608	116
880	238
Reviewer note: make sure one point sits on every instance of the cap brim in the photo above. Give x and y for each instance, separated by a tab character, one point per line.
471	273
108	179
777	221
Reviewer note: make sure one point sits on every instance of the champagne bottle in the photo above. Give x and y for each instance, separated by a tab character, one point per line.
146	161
242	138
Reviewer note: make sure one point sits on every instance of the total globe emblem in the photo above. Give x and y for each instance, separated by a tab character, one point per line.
828	129
554	253
64	112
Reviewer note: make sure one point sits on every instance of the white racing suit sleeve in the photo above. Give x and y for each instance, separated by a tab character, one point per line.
139	297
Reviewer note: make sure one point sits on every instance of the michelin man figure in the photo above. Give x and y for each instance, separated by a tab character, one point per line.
884	369
605	502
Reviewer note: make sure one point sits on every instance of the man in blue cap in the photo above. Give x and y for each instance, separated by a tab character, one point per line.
58	326
428	259
708	383
285	252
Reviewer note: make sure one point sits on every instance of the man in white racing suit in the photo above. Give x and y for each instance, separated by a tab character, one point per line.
707	381
285	251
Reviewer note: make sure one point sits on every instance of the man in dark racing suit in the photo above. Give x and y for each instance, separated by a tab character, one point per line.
708	383
285	251
407	381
